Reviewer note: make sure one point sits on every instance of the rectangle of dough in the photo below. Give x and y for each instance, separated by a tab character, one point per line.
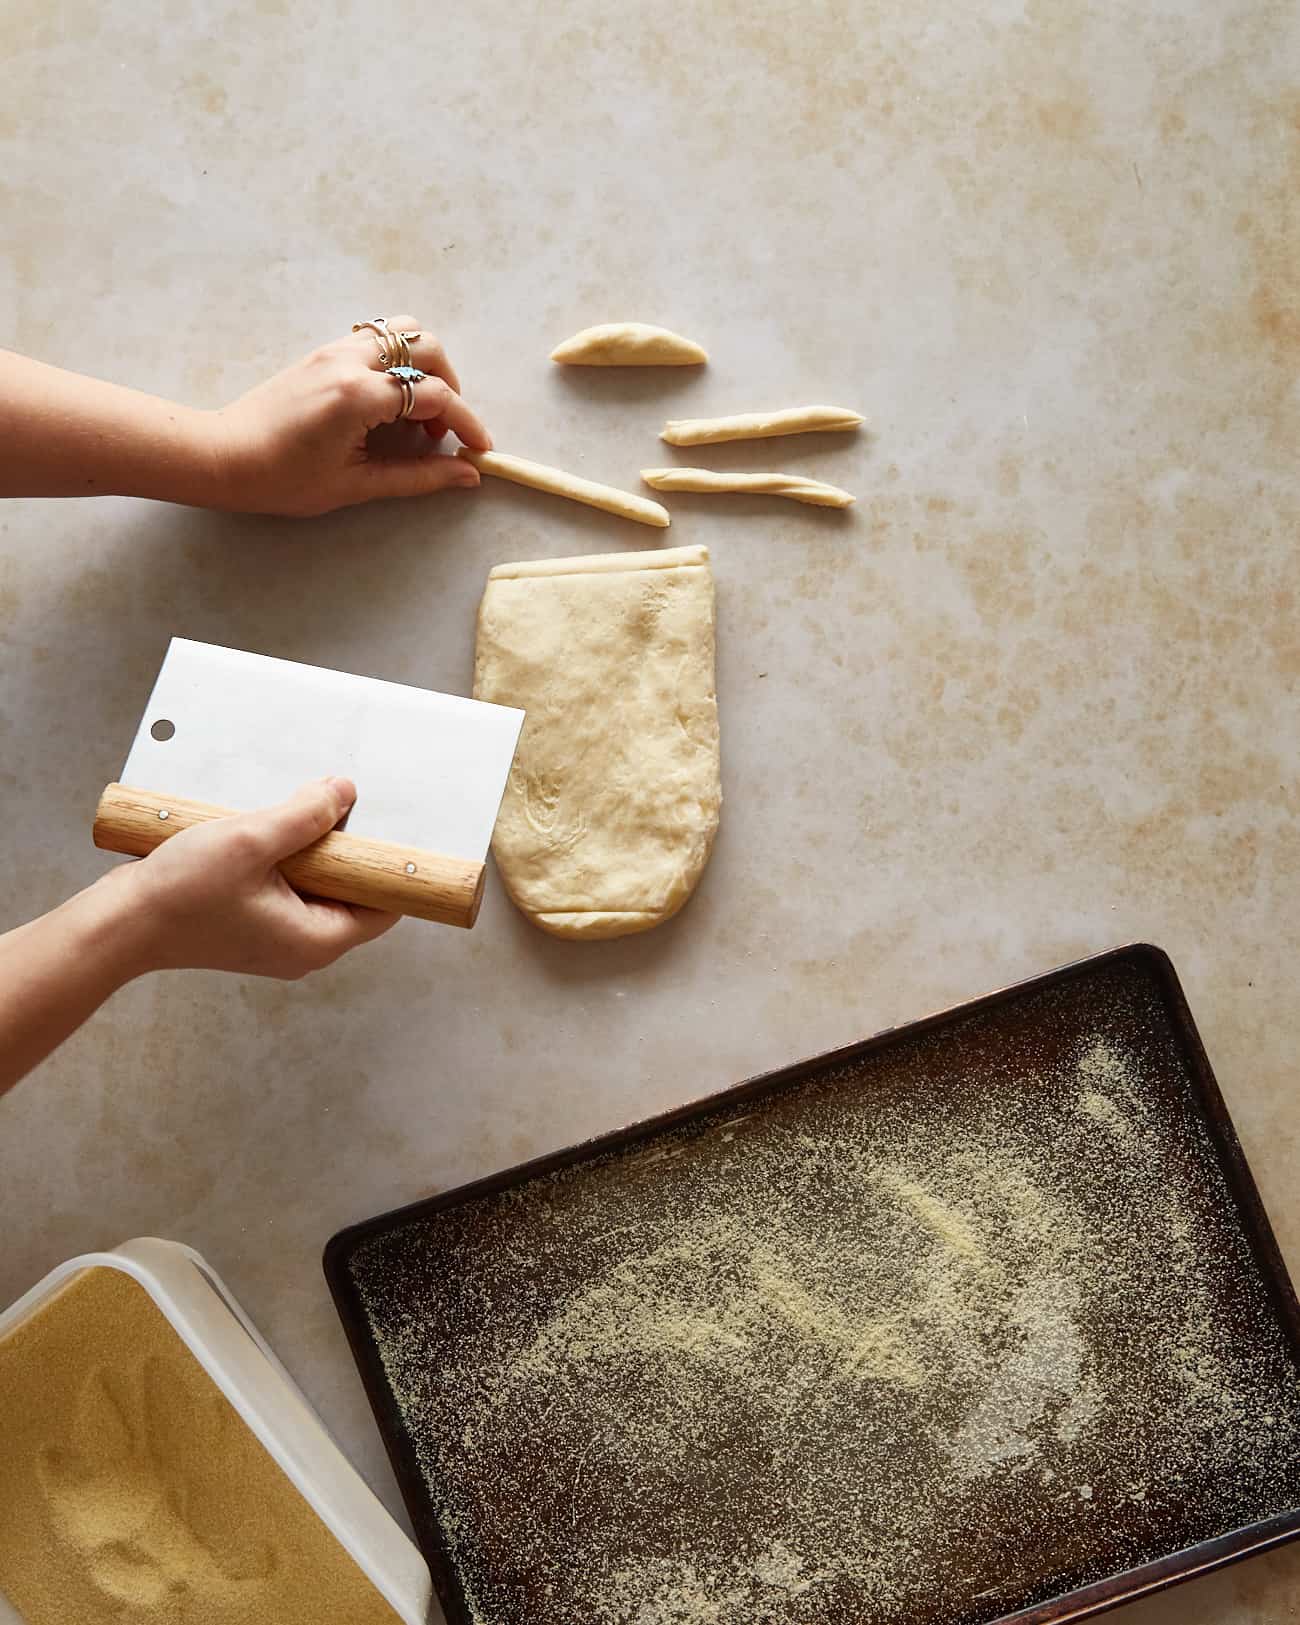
613	801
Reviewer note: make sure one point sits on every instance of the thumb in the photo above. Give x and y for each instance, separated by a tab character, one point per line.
308	814
417	476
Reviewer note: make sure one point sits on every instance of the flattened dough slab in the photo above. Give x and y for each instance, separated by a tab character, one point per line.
629	344
758	425
613	801
795	486
538	477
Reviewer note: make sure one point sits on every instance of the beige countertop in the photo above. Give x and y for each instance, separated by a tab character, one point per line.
1035	695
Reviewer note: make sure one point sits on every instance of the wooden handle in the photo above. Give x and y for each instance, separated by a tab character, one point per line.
347	868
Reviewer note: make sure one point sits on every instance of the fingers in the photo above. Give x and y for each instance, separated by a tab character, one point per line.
311	812
429	355
434	400
427	351
367	344
335	928
415	476
325	930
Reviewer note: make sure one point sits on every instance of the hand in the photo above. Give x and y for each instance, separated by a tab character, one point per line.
300	443
212	898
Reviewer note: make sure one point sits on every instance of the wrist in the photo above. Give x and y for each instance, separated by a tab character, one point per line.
209	460
173	455
112	930
234	470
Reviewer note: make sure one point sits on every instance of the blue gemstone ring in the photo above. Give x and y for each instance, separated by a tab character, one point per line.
407	378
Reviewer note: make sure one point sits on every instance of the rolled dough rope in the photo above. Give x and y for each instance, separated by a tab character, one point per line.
629	344
612	804
540	478
758	425
794	486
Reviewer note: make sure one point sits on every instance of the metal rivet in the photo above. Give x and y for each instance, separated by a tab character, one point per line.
163	813
410	868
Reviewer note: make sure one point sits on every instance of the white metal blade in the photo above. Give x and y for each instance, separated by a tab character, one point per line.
430	769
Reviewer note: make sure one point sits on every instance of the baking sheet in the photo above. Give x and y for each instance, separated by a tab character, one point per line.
978	1317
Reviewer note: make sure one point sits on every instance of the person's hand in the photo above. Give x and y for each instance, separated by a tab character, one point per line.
211	898
303	443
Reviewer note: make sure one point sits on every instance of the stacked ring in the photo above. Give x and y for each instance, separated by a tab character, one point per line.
394	345
407	378
379	327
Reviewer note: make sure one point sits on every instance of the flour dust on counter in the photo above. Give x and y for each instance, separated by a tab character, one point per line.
931	1336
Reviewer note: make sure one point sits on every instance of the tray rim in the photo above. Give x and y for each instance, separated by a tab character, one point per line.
1083	1601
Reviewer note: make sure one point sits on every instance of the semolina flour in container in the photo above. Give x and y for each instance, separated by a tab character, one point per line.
132	1492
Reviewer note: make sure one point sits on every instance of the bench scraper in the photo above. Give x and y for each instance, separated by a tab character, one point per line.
226	731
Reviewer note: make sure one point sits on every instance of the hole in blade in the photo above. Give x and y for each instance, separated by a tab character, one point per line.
163	730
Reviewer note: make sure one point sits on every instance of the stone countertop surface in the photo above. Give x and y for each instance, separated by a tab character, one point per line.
1035	695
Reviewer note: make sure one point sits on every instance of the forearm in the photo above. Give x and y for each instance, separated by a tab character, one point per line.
57	971
65	435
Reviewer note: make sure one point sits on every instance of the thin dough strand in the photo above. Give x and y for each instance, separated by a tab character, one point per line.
795	486
540	478
758	425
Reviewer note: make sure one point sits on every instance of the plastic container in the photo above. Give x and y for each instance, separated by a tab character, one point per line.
228	1346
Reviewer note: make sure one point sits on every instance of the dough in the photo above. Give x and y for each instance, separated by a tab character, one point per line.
629	344
776	485
612	804
758	425
558	483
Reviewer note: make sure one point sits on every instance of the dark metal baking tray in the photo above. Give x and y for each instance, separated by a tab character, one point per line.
980	1319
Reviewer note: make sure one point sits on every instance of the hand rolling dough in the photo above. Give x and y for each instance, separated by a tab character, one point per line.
612	804
794	486
540	478
758	425
629	344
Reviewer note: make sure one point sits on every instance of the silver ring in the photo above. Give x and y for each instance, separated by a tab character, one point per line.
383	334
407	378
